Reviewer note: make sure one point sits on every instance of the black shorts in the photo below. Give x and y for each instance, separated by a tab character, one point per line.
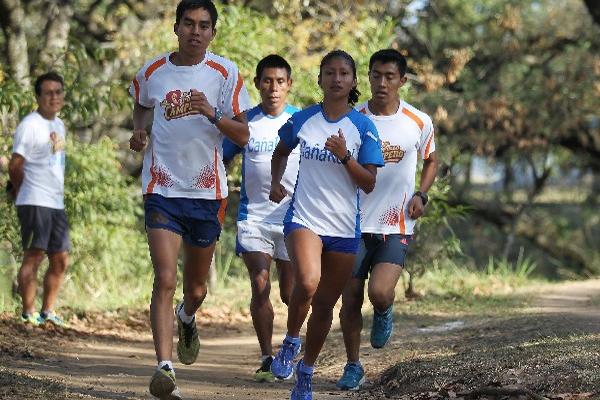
378	248
44	228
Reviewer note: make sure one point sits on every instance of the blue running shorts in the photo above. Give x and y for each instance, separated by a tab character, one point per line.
197	221
330	243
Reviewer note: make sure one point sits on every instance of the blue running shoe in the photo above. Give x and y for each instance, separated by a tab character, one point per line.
282	366
382	327
303	388
353	377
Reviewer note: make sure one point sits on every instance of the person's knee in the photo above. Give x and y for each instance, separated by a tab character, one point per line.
351	308
323	310
32	259
306	286
261	285
381	298
59	262
165	282
196	292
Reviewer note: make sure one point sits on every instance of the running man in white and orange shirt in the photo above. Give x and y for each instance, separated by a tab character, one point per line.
389	213
197	98
260	221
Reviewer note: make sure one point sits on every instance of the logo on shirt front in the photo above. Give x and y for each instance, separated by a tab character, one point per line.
177	104
57	142
391	153
319	154
261	146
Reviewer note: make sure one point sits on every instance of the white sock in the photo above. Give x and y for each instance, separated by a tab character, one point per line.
168	363
264	357
188	319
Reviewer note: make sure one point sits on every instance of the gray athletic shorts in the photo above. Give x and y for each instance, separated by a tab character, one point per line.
377	248
44	228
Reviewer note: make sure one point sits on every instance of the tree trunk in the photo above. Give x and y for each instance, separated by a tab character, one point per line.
57	35
12	16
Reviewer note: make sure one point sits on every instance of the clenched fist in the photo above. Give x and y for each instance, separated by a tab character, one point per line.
138	140
278	193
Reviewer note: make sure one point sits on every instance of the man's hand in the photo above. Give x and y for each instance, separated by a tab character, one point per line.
201	105
278	193
337	144
138	140
415	207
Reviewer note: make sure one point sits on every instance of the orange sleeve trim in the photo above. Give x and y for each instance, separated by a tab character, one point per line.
236	95
154	66
414	118
401	223
218	67
136	88
221	212
154	176
217	178
428	146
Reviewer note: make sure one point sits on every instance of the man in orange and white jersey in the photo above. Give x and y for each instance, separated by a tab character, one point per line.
389	213
197	99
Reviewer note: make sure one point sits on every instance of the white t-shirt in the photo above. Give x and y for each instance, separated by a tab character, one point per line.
256	167
42	143
326	199
184	156
403	135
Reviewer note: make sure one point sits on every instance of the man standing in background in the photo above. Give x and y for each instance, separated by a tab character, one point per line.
37	171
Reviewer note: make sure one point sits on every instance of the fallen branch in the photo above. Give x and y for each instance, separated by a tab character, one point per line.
503	391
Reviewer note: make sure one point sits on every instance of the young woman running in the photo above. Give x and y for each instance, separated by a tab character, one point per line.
339	153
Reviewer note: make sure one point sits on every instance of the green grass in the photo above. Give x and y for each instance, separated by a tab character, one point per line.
447	288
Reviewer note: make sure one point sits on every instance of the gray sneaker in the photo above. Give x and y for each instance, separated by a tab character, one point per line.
188	345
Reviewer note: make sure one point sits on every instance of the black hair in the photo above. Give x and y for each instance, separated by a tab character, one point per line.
273	61
389	55
48	76
208	5
354	93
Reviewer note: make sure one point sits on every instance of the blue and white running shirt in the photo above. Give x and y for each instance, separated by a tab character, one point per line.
326	199
256	167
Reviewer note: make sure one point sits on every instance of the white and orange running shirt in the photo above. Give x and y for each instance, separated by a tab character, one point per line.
184	154
403	136
326	199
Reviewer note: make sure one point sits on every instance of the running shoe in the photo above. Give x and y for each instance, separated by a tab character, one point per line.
282	366
32	319
162	384
189	343
382	328
264	374
303	388
353	377
54	319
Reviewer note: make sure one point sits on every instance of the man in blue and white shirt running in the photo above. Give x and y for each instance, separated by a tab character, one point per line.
260	221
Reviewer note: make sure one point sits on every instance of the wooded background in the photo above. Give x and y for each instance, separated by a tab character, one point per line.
512	86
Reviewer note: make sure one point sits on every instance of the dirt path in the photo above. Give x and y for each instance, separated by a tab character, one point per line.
103	359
